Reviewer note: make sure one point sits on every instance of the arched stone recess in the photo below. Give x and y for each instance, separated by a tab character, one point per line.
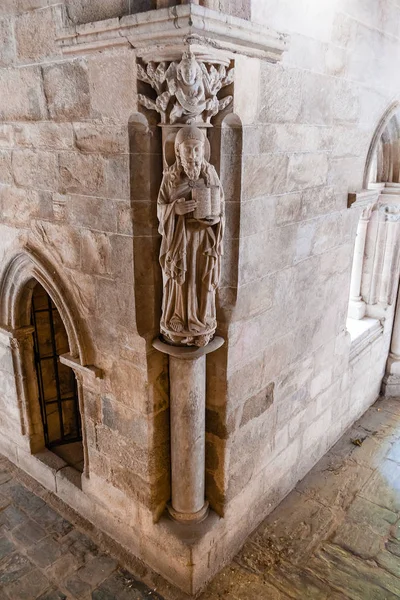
376	258
376	251
23	433
383	158
226	140
145	178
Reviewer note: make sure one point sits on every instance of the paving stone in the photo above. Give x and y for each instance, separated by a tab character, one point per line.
45	552
97	569
4	501
13	568
297	583
124	586
52	521
6	547
371	452
22	497
394	452
294	528
237	583
334	481
393	546
396	531
29	533
391	405
384	486
76	586
5	476
53	595
12	516
63	567
380	422
28	587
379	519
46	516
359	539
389	562
80	545
352	576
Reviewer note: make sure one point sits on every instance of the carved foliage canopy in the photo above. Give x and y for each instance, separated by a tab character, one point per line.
187	90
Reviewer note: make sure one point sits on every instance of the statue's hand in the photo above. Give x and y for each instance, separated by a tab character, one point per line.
183	207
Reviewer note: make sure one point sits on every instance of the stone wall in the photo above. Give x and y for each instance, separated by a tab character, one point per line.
65	195
73	196
307	130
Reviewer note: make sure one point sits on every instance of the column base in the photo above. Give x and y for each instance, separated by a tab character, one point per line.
391	386
357	309
189	518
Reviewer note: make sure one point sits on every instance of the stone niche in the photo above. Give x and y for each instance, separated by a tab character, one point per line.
227	53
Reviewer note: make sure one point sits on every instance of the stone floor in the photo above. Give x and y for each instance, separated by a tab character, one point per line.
336	536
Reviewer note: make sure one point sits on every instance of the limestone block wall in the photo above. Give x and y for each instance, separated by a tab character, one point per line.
292	388
65	197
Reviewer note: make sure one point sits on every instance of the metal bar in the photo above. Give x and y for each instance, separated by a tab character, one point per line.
78	421
55	365
62	400
39	374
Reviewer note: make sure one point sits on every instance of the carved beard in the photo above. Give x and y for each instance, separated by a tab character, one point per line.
192	169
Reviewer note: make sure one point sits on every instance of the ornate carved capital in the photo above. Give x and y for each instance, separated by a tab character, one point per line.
187	90
391	212
364	199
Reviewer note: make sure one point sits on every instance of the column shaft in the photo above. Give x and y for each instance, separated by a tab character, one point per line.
387	270
395	343
356	304
187	406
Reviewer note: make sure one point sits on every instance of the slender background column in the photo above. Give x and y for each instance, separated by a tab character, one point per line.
357	305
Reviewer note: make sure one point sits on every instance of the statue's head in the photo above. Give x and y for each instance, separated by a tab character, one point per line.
189	150
188	69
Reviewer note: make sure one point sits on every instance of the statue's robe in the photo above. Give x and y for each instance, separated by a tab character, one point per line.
190	259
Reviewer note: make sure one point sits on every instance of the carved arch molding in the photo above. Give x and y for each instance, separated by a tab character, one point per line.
21	273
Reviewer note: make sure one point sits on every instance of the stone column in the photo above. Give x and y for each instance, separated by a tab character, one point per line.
187	378
391	381
390	255
357	306
19	342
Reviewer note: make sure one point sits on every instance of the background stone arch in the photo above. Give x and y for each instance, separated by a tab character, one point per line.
21	273
383	154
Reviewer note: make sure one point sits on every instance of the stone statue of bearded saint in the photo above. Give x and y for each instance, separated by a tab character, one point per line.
191	247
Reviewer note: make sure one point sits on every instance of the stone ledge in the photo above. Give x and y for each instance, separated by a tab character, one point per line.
90	371
363	332
363	198
168	28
